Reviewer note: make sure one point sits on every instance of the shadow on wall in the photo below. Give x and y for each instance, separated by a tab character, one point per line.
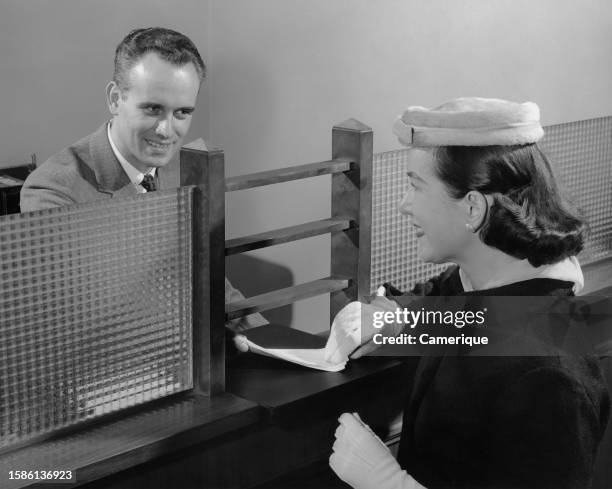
253	276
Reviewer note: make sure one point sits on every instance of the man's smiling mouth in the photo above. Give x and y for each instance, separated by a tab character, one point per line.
157	144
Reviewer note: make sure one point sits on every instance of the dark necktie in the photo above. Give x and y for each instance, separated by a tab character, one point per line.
148	183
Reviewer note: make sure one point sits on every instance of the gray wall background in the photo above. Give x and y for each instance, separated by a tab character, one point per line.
282	72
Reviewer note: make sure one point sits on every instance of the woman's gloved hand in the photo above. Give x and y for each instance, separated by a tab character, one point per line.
240	342
353	327
345	334
363	461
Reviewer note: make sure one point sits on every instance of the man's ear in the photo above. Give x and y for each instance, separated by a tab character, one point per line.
477	208
113	96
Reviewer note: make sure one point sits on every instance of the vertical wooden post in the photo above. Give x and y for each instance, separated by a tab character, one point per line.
204	168
352	198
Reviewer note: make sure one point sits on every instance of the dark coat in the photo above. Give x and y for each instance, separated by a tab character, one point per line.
504	422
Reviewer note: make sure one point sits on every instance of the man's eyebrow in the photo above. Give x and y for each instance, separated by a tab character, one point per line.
416	177
155	104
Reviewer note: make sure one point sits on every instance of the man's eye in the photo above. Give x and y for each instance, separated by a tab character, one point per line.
183	114
152	110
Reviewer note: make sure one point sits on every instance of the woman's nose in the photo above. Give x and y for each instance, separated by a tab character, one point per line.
405	205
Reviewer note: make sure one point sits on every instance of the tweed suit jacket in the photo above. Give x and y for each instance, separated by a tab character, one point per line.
86	171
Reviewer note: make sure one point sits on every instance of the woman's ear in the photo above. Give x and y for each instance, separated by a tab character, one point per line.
476	210
113	95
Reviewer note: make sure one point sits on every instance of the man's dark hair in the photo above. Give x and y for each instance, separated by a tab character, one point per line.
170	45
529	218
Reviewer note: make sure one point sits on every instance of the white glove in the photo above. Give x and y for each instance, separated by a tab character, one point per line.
363	461
345	334
353	326
240	342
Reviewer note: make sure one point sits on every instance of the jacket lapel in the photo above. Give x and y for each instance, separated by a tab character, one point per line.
110	175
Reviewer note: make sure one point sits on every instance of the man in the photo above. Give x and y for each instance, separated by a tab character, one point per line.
152	97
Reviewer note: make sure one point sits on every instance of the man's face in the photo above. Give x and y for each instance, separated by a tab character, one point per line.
438	220
152	116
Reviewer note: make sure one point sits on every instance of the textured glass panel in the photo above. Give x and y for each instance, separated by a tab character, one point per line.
581	156
95	310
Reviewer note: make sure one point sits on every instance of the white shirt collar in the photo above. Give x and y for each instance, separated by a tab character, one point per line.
567	270
133	173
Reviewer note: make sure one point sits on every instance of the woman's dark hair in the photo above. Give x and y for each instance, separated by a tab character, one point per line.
529	218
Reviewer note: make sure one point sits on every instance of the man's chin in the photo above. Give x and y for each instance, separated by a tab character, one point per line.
152	162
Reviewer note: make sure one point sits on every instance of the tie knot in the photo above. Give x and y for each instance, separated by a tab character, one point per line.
148	183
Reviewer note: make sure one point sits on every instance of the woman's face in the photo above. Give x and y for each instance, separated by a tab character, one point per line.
438	219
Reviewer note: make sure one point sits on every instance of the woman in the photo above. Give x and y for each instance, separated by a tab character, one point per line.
483	196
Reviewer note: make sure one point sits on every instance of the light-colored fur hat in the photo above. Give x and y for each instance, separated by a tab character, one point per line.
470	121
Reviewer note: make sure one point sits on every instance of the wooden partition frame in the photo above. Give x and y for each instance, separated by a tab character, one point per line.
349	224
351	250
205	168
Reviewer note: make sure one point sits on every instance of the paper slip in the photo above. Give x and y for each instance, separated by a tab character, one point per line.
291	345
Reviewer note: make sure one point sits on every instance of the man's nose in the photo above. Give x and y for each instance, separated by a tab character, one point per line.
405	205
163	127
